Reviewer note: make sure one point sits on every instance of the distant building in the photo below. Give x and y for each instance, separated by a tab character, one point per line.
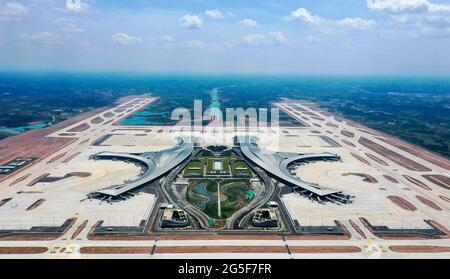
181	183
265	218
279	164
156	165
15	164
165	205
174	218
273	204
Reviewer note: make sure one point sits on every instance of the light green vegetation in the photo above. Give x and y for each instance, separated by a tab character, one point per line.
241	169
231	167
194	169
235	194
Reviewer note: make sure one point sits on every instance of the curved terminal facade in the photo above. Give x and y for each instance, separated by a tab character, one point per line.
278	163
154	164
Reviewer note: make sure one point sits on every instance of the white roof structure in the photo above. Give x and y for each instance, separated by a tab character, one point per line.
276	163
156	164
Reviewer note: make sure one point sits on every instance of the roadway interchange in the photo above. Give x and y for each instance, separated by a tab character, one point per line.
399	209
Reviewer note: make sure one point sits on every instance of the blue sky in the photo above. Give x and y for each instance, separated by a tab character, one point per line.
287	36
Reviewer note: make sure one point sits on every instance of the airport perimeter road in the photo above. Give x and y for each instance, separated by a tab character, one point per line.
221	247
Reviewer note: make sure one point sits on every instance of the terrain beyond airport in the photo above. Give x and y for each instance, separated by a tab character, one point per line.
325	187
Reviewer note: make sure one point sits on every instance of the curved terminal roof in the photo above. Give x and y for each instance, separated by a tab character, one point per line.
155	164
277	164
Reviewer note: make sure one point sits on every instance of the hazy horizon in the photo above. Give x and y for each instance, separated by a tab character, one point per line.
440	76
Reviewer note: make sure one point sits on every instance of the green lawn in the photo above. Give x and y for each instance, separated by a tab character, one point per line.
230	166
236	192
194	169
203	194
241	169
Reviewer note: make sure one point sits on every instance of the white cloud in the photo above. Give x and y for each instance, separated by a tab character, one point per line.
195	44
357	23
278	38
408	6
248	22
419	17
270	38
44	38
164	41
68	26
328	25
255	39
190	21
304	15
12	11
216	14
77	6
397	6
436	8
126	40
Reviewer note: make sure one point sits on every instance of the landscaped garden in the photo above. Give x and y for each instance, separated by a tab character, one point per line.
234	195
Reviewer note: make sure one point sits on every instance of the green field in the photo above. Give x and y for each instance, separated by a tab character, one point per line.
231	166
194	169
201	192
241	169
235	194
233	175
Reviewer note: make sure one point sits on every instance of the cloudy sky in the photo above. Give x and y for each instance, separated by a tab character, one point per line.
233	36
